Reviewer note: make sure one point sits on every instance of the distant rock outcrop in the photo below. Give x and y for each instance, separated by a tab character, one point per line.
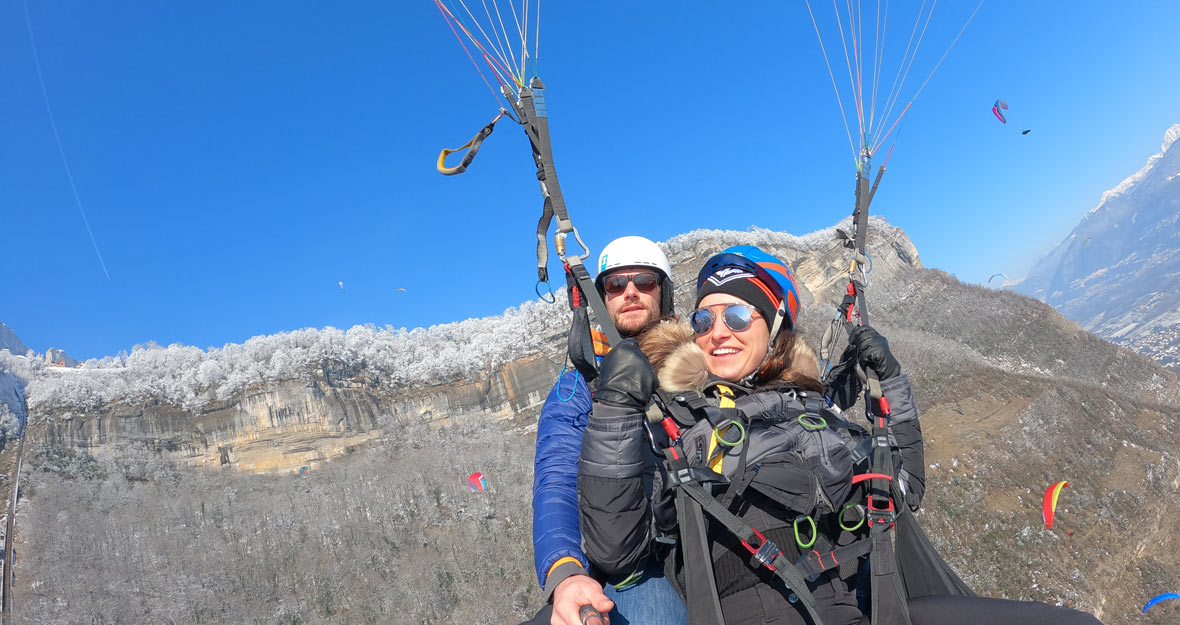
58	358
1118	272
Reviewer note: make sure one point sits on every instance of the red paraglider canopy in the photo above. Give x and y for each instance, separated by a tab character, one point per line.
1050	504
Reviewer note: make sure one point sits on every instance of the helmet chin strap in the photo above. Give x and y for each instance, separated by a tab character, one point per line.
779	315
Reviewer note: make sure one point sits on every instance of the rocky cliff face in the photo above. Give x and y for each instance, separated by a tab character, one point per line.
293	423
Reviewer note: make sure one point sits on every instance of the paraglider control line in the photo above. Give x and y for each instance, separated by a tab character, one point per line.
552	298
572	390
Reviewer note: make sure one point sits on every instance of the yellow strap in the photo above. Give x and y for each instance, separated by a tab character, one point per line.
726	402
560	562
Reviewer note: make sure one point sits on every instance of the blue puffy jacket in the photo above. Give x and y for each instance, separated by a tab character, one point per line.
555	481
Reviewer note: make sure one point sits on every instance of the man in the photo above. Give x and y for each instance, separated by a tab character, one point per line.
635	281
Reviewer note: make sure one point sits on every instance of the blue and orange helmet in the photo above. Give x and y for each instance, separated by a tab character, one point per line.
770	271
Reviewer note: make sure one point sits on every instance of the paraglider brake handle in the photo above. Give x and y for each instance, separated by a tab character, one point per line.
471	146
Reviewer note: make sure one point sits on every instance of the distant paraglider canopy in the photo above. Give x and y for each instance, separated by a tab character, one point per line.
1158	598
477	482
1025	132
997	110
1049	508
997	275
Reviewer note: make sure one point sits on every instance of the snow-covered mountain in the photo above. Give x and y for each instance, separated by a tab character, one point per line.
14	377
10	341
1118	272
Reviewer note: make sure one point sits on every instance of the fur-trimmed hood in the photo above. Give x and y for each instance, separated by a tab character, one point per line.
680	363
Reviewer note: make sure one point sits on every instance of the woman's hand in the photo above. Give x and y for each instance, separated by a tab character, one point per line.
626	377
872	352
868	349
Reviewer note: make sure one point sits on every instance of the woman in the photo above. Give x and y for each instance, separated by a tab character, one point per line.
752	447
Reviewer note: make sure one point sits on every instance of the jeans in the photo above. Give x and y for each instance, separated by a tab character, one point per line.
651	601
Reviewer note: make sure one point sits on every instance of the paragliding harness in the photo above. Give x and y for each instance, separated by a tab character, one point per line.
696	481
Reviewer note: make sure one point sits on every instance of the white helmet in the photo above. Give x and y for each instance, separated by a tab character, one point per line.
635	251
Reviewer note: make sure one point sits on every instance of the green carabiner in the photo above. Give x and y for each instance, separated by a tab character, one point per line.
724	425
812	422
814	533
858	523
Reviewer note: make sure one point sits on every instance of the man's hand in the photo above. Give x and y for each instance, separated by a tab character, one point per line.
574	592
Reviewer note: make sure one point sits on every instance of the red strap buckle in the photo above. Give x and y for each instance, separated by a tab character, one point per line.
671	428
876	514
766	551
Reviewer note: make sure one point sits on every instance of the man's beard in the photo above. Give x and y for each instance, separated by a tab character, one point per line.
639	328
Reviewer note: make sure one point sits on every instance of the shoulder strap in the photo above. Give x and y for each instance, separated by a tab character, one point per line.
581	340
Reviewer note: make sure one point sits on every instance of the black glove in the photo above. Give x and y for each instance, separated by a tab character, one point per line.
868	348
872	351
626	378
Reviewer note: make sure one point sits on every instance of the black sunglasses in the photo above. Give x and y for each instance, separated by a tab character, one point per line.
737	317
645	282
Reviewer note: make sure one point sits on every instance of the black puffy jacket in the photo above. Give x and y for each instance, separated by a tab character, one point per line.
789	476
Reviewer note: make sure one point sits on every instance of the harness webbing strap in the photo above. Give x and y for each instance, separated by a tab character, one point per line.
593	298
703	602
766	552
888	597
580	345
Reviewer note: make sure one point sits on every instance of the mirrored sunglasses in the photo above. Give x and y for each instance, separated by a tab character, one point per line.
645	282
737	317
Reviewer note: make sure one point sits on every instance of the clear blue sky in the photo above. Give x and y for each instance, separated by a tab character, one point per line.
237	160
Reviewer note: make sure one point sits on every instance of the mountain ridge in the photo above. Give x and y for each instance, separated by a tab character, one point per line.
1117	273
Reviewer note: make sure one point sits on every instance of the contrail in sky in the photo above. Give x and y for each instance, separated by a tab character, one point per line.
60	149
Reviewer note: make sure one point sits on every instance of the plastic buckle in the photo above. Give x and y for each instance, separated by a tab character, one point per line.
877	514
765	553
881	515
